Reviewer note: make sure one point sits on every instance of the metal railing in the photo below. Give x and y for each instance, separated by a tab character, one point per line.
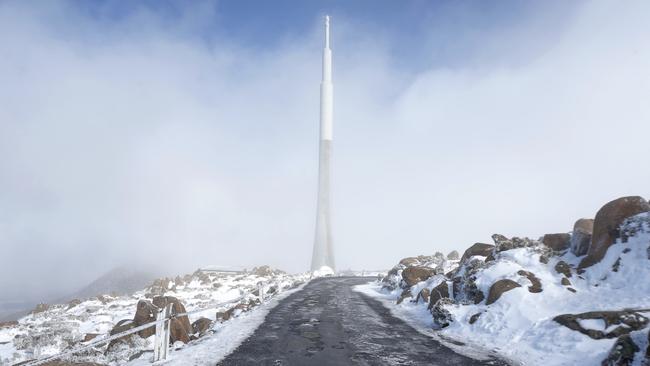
162	324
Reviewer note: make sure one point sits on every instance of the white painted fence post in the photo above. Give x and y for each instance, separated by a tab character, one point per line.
260	290
161	342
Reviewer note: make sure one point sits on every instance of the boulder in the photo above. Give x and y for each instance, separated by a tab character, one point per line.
464	286
474	318
498	288
90	336
8	324
536	284
220	316
437	257
441	316
234	311
607	226
264	271
72	303
453	255
477	249
121	326
563	267
406	293
557	242
145	313
413	275
409	261
177	331
581	236
565	282
617	323
104	299
177	308
502	243
439	292
423	295
622	352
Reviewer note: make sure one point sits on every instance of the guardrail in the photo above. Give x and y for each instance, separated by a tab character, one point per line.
162	324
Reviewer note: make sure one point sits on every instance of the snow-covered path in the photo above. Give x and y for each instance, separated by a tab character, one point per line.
328	323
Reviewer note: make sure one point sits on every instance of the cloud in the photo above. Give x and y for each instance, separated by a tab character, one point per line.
142	140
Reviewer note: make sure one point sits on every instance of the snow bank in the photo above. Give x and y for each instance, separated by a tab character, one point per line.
519	325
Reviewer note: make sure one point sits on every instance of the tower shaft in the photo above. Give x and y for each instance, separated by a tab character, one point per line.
323	254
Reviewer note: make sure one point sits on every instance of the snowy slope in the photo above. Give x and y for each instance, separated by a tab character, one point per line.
520	325
65	326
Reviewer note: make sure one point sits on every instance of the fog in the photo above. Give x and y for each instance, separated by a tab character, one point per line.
143	142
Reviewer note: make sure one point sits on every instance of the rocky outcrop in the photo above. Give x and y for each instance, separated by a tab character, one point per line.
437	293
453	255
413	275
441	316
499	288
502	243
622	352
265	271
236	310
617	323
201	325
423	295
480	249
90	336
563	267
409	261
607	226
145	313
72	303
581	236
180	326
536	284
121	326
465	289
406	294
8	324
557	242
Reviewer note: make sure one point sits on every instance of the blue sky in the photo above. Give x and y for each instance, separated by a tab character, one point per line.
419	33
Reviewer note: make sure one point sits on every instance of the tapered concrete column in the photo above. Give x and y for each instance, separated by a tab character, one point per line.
323	255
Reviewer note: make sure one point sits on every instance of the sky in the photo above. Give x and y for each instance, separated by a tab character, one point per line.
181	134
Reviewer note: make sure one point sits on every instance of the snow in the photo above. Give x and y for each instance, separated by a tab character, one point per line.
62	326
520	324
227	337
323	271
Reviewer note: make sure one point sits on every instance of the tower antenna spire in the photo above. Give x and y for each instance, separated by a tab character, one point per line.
323	256
327	31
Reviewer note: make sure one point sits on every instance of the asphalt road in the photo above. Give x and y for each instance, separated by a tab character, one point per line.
327	323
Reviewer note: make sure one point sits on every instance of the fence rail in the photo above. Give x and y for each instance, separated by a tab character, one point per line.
162	332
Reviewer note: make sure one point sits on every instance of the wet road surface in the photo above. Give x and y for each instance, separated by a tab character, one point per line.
327	323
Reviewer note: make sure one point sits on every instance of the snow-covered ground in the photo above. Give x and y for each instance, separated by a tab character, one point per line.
63	327
520	325
226	338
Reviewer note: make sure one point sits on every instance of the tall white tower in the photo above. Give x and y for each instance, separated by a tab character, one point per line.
323	255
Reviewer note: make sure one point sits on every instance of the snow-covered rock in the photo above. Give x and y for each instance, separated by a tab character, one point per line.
55	328
542	284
